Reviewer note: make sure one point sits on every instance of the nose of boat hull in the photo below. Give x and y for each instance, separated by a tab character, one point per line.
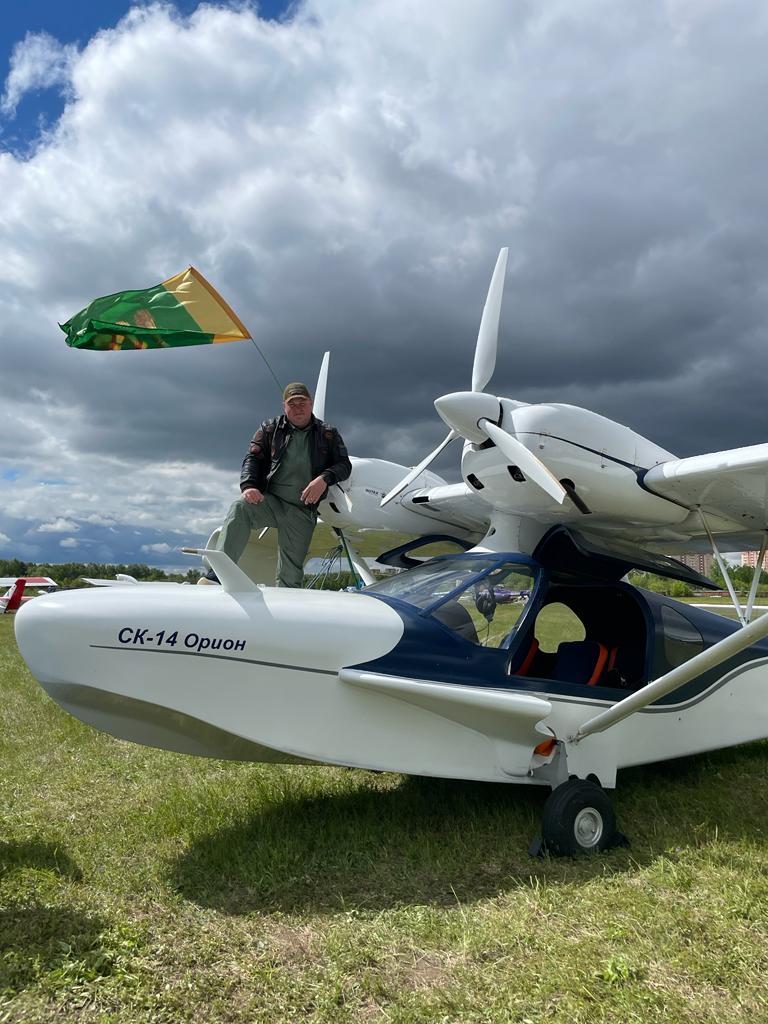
197	669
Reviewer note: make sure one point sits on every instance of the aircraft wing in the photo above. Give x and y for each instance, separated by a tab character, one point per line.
30	581
731	486
129	582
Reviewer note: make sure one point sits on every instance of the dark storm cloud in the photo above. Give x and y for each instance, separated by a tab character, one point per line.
346	180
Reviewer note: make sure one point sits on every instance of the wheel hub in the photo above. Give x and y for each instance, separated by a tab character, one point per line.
588	827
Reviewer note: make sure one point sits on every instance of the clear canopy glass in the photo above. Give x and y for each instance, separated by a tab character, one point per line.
480	598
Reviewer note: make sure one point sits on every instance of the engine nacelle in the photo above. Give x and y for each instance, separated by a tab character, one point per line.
603	460
356	502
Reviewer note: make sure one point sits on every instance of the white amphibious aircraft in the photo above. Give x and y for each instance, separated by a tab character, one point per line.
433	671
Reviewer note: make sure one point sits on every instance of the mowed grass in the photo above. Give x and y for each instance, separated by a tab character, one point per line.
142	886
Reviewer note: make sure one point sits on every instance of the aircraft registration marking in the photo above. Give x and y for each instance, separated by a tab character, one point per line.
135	636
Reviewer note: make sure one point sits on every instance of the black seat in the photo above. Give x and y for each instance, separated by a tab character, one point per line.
457	618
580	661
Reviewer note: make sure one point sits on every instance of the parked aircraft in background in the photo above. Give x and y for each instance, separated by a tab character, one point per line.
11	599
14	597
122	579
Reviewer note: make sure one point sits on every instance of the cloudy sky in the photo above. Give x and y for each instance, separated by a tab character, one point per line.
345	174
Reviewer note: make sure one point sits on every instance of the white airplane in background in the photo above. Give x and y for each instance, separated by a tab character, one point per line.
14	597
407	675
123	579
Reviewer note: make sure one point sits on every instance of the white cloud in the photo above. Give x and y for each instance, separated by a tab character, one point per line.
68	542
96	520
38	62
58	526
157	549
4	539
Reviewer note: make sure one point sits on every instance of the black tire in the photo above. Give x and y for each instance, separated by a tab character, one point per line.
577	818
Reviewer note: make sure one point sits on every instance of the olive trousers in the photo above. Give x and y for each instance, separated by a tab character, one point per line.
295	525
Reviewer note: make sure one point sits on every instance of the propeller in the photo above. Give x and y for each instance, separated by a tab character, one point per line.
518	455
471	414
488	335
482	370
418	470
318	405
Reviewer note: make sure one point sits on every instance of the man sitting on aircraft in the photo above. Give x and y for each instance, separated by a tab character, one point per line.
291	462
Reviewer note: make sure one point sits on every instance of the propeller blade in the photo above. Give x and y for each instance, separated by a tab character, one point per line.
318	405
417	470
488	335
518	455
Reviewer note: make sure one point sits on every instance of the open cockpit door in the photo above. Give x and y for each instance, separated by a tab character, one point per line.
401	557
568	552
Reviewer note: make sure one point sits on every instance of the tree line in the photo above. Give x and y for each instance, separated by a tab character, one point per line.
69	574
741	577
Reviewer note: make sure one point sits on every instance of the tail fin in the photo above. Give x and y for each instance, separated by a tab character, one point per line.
12	598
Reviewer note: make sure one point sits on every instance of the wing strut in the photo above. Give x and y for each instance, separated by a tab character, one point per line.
723	567
665	684
363	577
756	578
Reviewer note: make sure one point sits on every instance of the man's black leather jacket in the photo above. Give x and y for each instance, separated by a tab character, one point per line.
328	453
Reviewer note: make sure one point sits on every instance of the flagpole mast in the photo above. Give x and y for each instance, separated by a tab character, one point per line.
266	362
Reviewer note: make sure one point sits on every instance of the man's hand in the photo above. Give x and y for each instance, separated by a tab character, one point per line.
314	491
252	495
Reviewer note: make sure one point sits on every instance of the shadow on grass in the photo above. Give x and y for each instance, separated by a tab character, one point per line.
39	942
33	853
425	841
682	803
434	841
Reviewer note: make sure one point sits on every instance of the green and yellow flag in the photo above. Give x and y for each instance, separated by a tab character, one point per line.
184	310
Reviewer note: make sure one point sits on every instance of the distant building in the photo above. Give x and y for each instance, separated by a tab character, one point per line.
701	563
750	558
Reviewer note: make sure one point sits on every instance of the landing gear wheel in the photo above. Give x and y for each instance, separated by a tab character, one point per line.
578	818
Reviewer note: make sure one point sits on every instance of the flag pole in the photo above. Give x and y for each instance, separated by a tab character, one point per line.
266	361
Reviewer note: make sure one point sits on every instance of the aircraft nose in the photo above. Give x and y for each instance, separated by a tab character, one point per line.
462	410
44	635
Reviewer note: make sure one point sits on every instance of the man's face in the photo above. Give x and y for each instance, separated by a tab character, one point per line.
299	411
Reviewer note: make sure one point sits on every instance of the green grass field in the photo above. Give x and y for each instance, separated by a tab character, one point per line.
143	886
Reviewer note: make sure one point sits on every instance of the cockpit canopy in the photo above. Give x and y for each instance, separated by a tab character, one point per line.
481	597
